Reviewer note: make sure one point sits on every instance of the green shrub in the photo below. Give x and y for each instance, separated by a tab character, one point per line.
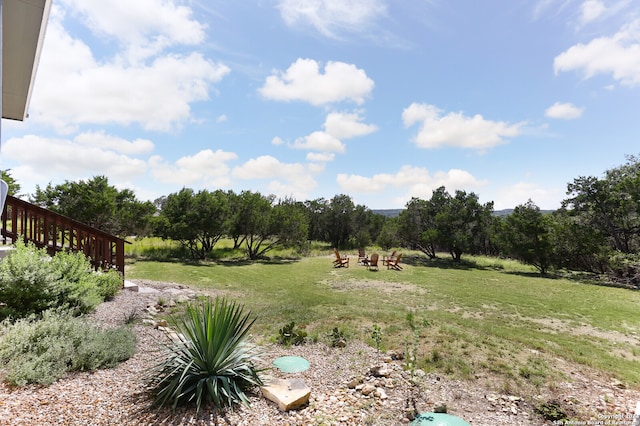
337	338
43	350
553	411
376	336
213	364
288	335
76	286
105	348
108	283
26	282
31	282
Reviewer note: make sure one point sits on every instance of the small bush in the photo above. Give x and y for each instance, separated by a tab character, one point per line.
43	350
31	282
213	364
26	282
337	338
553	411
105	348
108	283
132	317
376	336
288	335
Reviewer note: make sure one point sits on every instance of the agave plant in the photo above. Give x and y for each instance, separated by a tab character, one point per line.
211	361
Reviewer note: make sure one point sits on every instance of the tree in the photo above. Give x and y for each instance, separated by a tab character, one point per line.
315	210
366	226
339	220
462	223
608	211
291	224
235	224
14	186
253	222
196	220
416	227
388	236
611	204
528	236
133	216
458	224
265	224
577	245
97	204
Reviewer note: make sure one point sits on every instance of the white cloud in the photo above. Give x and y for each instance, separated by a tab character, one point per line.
55	160
74	88
511	196
221	118
101	140
266	167
145	26
286	179
618	55
207	167
456	129
564	111
277	141
541	7
298	190
303	81
591	10
320	157
319	141
411	181
331	17
587	11
347	125
337	126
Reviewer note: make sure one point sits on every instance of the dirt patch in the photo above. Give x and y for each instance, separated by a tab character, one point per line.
381	286
556	325
586	330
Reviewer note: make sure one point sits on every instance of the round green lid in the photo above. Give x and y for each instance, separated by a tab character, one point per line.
291	364
437	419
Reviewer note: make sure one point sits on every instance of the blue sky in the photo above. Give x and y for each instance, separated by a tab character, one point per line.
377	99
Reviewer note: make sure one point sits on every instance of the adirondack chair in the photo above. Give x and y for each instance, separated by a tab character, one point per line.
362	257
387	259
395	264
373	262
340	261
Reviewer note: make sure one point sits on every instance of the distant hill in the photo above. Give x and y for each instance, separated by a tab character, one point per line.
507	212
388	212
503	212
396	212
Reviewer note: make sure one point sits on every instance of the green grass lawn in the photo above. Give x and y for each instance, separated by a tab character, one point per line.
481	317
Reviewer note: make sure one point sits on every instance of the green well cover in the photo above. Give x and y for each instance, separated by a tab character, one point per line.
437	419
291	364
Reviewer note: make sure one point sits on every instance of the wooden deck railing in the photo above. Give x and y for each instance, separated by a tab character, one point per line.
55	232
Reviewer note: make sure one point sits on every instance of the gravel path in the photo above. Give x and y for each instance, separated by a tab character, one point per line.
336	377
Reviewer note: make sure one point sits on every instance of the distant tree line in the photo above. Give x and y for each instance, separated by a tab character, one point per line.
596	230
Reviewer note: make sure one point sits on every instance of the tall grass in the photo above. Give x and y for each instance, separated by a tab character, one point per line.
485	315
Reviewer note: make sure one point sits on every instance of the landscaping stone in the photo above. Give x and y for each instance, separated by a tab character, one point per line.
367	389
379	371
289	394
351	384
160	323
128	285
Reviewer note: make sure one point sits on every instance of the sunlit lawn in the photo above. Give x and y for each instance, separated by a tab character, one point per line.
484	315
